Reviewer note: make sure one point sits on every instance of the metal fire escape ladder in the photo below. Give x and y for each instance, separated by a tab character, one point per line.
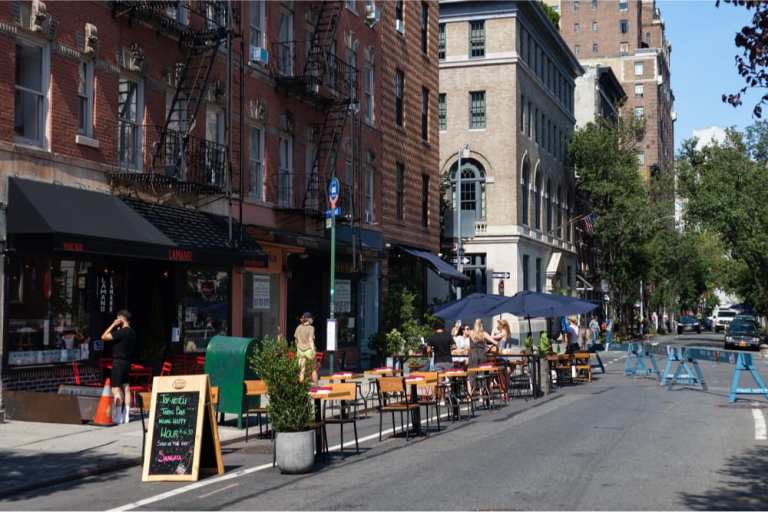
323	36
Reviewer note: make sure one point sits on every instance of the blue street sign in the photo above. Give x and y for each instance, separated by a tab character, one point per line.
335	212
333	190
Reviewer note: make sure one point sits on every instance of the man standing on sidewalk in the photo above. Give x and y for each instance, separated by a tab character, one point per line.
440	343
123	337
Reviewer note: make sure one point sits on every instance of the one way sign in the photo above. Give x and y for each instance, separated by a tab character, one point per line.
500	275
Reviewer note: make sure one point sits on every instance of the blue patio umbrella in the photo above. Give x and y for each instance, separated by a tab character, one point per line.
475	305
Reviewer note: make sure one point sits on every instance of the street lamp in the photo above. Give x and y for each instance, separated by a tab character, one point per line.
463	153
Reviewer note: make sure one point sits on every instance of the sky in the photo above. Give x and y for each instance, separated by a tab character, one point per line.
702	64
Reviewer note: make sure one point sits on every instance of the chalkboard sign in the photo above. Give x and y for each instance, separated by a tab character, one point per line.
183	437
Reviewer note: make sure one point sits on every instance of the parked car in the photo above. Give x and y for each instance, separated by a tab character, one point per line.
747	318
688	323
723	318
742	334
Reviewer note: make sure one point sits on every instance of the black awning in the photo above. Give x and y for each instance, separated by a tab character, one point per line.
200	237
54	217
443	268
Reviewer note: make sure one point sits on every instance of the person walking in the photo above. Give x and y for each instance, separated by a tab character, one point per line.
304	337
440	344
123	339
594	327
608	333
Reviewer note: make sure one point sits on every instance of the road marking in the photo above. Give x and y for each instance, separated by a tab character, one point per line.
219	490
236	474
760	429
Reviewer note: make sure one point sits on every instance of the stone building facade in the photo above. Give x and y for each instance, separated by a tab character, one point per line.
507	109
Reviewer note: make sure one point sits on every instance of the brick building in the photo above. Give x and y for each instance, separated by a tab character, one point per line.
506	114
628	36
174	160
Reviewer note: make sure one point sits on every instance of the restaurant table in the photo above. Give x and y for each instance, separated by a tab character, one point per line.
343	377
457	389
318	394
533	362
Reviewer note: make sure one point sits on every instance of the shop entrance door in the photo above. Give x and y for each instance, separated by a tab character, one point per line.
150	298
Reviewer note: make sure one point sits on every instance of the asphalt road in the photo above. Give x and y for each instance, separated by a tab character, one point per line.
617	443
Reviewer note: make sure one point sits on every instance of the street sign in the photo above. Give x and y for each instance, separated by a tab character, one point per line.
333	191
500	275
335	212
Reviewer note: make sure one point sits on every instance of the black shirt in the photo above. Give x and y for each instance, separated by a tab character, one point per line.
441	345
124	341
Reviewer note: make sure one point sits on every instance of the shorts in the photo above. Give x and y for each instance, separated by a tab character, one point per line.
120	369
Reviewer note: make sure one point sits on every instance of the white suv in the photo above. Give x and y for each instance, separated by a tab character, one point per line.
722	319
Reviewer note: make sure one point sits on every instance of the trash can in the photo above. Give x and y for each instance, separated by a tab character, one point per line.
227	364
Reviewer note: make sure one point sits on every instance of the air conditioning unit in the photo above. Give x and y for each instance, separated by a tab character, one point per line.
91	45
660	79
258	54
372	15
400	26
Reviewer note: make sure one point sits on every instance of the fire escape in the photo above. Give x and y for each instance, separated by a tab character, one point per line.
330	84
171	158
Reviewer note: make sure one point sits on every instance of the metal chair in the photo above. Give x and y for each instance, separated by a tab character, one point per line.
347	410
254	388
394	398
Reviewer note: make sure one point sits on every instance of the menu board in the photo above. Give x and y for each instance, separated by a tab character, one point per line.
183	437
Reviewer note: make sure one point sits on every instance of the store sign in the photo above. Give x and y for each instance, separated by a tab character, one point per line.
73	246
342	300
261	292
179	255
105	290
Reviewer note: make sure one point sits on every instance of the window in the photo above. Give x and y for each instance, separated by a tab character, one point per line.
441	42
442	111
256	22
528	121
369	194
639	69
576	5
85	99
399	22
537	201
522	114
638	90
215	152
641	158
525	190
639	112
424	27
129	109
368	90
578	49
31	92
477	109
594	26
425	200
525	272
594	5
624	48
352	70
256	163
477	38
536	129
559	209
285	172
623	5
285	52
523	40
530	50
472	191
179	12
399	190
538	275
623	26
216	15
567	208
594	48
577	27
424	114
399	91
569	274
549	199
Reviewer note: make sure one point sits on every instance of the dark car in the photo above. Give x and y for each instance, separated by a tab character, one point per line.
742	334
688	323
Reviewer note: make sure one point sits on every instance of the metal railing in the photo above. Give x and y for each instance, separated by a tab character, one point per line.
317	72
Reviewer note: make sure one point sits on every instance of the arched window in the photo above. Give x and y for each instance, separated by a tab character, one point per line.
559	207
537	191
549	198
472	195
526	187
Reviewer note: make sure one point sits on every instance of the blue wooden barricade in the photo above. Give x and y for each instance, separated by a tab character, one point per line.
637	353
683	374
744	363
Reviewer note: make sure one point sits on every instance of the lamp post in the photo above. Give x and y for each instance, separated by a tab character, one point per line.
463	153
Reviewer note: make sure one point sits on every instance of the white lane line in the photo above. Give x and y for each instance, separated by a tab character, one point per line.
226	487
237	474
761	433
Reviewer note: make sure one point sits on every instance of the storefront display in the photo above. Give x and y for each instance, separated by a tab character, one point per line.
206	308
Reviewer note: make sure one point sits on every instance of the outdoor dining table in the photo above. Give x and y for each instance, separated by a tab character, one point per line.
414	382
342	377
456	379
534	368
486	370
318	394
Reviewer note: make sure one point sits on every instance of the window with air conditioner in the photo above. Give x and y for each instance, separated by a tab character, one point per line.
258	54
31	93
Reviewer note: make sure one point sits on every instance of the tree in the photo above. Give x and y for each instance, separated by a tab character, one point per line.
552	14
725	188
752	63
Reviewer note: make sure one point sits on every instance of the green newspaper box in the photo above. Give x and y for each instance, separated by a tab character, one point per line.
226	362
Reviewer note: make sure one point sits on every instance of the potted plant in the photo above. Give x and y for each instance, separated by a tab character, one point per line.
545	345
290	406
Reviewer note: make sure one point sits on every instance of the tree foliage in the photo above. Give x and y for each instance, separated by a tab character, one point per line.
753	61
552	14
725	186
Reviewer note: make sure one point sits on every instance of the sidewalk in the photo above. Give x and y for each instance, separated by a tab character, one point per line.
40	454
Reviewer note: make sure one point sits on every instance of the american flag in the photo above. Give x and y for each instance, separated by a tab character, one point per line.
589	221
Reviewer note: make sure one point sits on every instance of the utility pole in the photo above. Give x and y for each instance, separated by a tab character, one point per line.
333	196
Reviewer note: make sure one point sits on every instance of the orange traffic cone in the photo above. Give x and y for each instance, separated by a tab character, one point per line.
103	416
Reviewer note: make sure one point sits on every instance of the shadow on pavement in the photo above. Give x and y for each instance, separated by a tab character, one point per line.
24	471
743	485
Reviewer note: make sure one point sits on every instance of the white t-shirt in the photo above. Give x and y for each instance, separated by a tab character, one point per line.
573	334
462	343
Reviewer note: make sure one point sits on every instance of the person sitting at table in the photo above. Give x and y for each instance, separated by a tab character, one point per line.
461	344
440	343
304	336
480	341
502	334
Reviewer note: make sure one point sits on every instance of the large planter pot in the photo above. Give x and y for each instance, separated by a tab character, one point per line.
295	451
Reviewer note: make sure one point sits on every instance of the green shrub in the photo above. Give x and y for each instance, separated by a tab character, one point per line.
290	406
545	345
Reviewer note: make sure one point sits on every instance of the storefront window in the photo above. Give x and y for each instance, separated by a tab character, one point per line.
261	303
206	308
48	307
345	306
